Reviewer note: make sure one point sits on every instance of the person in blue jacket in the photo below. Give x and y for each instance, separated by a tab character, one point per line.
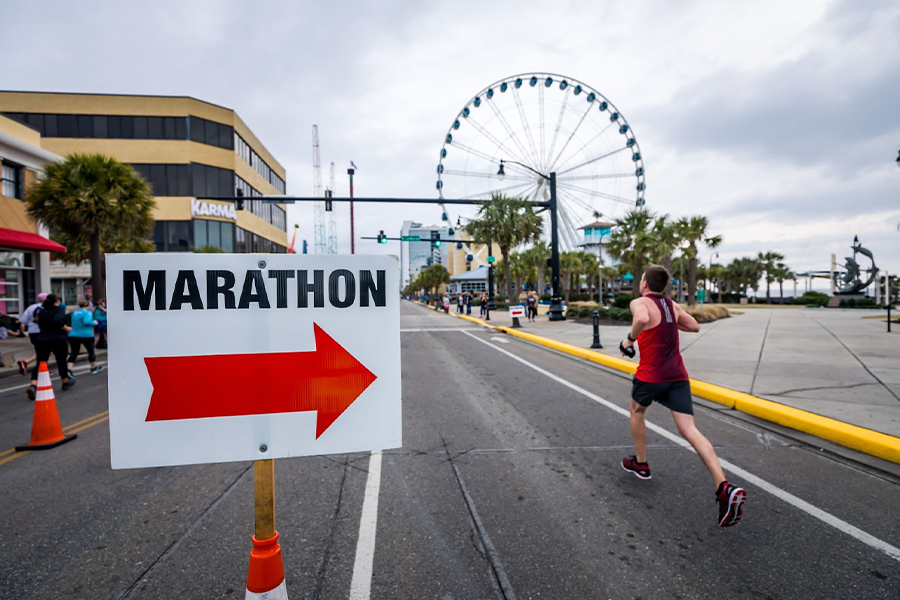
82	334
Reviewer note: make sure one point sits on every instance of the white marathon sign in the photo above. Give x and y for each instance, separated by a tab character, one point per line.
516	311
233	357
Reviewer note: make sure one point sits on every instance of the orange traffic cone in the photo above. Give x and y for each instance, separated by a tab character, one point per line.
46	432
265	579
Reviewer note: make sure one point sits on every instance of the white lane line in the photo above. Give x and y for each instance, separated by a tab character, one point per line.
500	339
361	584
53	375
779	493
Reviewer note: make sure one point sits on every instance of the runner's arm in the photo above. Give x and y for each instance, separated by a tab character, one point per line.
639	320
685	321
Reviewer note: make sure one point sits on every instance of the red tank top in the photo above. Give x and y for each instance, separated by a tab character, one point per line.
660	355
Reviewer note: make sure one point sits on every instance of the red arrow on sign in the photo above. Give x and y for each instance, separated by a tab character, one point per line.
326	380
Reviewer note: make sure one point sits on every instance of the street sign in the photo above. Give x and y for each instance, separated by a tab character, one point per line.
409	238
701	295
228	357
491	259
516	311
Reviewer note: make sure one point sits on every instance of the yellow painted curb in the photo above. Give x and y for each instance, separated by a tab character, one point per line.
852	436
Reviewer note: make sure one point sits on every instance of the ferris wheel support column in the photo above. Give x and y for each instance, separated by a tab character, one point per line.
556	309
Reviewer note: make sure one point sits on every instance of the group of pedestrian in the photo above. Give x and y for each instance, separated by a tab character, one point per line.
53	331
464	303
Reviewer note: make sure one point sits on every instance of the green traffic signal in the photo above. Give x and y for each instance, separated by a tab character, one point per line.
437	243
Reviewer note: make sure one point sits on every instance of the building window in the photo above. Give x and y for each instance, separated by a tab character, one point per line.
114	127
172	236
166	180
220	234
243	149
12	180
212	133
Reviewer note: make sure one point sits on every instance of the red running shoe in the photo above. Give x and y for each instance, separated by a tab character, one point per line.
640	469
731	501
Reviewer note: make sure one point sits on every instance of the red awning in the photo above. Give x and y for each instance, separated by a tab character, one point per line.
10	238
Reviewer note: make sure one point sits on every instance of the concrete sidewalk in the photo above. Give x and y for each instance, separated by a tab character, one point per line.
830	362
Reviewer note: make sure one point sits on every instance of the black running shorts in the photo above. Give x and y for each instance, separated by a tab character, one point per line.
674	395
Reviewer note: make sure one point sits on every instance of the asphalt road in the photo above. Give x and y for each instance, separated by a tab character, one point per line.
508	485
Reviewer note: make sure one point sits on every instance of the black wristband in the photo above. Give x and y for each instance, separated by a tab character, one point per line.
631	339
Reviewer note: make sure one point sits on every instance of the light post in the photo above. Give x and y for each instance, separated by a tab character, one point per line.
556	310
711	256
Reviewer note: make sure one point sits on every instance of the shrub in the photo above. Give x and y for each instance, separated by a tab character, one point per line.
208	249
622	300
620	314
709	313
545	298
812	298
584	312
572	312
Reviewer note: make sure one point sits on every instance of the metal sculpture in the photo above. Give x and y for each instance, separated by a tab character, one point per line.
850	281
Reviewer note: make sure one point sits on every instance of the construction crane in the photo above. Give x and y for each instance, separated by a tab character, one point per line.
331	245
320	243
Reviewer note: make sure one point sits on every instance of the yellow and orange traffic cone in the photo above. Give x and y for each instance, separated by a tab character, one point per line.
265	578
46	431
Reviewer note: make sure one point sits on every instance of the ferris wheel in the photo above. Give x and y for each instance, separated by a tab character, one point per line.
512	134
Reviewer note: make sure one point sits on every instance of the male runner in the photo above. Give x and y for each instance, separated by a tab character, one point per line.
661	376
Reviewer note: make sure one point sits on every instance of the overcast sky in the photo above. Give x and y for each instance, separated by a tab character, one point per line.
778	120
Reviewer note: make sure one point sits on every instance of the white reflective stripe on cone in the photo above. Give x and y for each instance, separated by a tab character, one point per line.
279	593
44	395
43	379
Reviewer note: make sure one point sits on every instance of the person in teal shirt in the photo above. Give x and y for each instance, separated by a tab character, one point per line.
100	318
82	334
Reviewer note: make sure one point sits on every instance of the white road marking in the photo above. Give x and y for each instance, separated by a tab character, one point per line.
361	584
500	339
779	493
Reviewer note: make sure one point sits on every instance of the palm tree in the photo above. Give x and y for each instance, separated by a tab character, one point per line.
716	275
570	267
663	239
782	273
767	260
693	230
629	240
590	268
509	222
96	204
610	276
434	277
536	257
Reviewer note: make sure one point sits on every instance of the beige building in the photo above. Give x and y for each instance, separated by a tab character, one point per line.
24	245
187	149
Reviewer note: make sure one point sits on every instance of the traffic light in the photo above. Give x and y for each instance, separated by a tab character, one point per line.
436	239
382	239
328	203
239	203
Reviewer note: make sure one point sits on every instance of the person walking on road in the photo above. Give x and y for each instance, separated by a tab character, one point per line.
82	334
460	302
482	305
52	339
661	376
469	303
30	324
100	318
531	305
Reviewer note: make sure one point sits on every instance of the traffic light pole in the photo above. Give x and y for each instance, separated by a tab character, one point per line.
556	309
